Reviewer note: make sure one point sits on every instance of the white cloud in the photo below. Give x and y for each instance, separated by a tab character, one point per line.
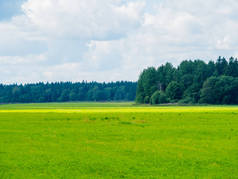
175	31
84	19
106	40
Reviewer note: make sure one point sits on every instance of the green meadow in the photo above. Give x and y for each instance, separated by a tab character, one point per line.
118	140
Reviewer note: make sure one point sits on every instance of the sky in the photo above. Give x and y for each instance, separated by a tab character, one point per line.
110	40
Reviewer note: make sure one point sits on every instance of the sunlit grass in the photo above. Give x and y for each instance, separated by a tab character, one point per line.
68	105
94	141
113	109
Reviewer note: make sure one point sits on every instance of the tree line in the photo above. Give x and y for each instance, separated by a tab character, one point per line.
190	82
68	91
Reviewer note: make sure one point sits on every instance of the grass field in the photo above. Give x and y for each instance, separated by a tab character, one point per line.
118	140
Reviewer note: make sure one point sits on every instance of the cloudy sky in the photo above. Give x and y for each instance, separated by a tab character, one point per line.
108	40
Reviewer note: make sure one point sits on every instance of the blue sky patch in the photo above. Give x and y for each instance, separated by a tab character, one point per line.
10	8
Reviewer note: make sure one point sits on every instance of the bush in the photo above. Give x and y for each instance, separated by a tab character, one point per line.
186	100
159	97
139	98
174	91
147	100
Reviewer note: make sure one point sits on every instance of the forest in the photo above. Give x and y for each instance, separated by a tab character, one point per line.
190	82
68	91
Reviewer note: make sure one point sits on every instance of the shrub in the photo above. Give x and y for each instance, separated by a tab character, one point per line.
147	100
174	91
159	97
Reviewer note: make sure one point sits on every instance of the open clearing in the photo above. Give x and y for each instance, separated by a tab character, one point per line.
117	140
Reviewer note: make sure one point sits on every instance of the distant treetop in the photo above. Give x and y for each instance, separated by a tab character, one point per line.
191	82
68	91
